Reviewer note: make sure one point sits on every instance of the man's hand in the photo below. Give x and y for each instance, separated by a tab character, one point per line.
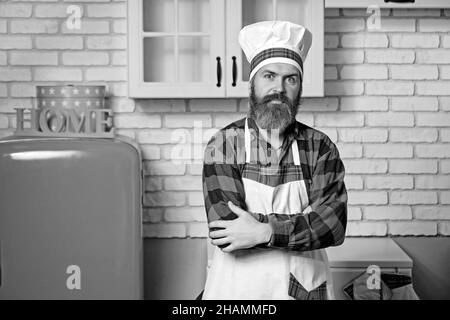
241	233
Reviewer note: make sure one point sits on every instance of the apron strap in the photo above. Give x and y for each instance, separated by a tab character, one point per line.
247	142
295	152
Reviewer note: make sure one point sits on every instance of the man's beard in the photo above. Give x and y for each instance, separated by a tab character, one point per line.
273	116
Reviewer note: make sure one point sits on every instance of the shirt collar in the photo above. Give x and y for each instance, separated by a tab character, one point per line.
292	131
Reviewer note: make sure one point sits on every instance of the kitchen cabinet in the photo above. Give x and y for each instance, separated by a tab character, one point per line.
175	48
308	13
414	4
190	49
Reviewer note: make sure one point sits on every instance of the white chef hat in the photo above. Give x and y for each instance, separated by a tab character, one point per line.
275	42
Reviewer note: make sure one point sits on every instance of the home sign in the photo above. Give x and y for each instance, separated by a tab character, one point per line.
66	111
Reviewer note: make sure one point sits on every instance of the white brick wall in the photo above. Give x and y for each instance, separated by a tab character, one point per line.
388	213
364	40
387	107
366	228
390	56
414	41
413	228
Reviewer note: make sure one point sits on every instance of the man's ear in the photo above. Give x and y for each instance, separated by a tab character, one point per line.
299	97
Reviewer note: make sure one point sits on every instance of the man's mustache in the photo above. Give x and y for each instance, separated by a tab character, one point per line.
276	96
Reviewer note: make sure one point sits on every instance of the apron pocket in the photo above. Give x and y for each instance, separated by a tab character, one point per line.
298	292
309	269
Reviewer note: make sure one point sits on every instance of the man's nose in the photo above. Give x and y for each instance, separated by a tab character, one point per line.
279	86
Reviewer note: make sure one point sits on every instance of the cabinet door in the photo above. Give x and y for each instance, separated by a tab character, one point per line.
176	48
309	13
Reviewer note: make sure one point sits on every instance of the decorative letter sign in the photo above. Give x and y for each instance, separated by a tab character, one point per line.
67	111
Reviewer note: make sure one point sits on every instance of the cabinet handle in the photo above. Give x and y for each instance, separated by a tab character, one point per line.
234	71
219	72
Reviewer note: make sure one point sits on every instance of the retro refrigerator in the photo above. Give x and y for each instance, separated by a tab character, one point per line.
70	218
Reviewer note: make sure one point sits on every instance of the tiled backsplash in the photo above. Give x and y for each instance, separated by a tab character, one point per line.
387	106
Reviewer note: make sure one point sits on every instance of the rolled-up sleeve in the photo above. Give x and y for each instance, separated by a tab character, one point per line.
222	180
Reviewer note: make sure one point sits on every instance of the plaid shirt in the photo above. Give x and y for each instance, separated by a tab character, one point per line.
323	173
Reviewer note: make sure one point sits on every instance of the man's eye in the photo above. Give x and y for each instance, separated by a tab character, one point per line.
268	76
292	80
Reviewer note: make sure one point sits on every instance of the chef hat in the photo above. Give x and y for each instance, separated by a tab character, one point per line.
275	42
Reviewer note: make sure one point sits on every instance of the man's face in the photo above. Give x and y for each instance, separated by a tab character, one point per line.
275	95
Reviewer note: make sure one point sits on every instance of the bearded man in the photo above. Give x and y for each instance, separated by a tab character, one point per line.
274	187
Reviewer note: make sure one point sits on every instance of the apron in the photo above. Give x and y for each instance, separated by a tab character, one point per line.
266	274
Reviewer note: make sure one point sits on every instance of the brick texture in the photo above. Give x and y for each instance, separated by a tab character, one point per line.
386	106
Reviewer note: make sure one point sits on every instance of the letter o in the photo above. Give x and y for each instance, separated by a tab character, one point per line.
53	120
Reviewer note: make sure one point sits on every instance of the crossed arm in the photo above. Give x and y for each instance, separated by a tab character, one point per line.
324	226
242	233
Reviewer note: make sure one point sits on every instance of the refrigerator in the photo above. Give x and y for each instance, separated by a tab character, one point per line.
70	218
